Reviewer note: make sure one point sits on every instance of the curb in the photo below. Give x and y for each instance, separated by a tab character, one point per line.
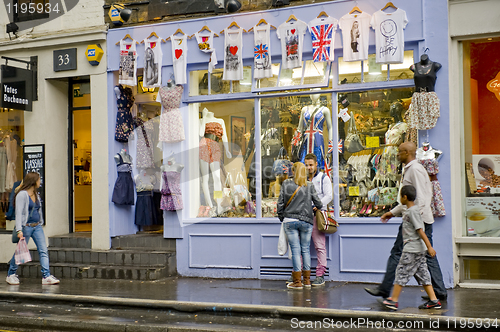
347	317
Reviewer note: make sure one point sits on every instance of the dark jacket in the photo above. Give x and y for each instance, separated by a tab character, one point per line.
301	206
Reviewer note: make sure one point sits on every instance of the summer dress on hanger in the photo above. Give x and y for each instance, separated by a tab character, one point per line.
123	192
144	207
171	199
171	124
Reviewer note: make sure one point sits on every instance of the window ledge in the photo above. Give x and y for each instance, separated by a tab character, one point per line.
483	284
474	239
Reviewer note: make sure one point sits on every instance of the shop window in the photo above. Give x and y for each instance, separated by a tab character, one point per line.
350	72
11	152
368	150
481	77
202	80
481	269
28	10
280	119
223	135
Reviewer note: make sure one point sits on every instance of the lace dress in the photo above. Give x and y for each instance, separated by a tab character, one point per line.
145	144
171	125
123	192
437	203
171	199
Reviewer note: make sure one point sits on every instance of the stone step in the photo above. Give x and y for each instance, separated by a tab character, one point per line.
144	241
127	272
112	256
72	240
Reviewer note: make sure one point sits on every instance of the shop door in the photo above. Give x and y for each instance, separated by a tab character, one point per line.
81	150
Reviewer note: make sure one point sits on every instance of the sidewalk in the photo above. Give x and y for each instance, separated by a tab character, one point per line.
268	297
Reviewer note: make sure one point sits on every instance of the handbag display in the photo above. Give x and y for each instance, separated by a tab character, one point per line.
22	254
388	195
271	143
282	165
325	220
240	191
352	142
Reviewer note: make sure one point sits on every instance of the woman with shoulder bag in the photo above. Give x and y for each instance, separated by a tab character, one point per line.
295	209
29	223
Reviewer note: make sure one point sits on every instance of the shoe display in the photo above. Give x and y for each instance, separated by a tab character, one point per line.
390	304
363	210
375	292
369	209
319	281
12	279
50	280
430	305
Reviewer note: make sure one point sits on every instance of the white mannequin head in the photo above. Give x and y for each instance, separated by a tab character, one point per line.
314	98
207	113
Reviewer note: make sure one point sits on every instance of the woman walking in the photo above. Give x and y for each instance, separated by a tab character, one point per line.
295	209
29	223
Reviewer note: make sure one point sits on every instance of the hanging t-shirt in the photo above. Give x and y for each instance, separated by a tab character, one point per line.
205	40
355	34
152	63
179	58
389	35
292	39
128	63
322	31
233	61
262	51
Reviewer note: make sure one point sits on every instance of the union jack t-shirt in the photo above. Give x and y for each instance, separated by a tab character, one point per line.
322	31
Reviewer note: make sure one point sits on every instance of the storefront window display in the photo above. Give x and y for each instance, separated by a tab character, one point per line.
284	122
369	136
11	157
200	82
224	135
481	145
350	72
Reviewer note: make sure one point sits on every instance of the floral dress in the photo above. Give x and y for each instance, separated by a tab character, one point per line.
171	199
124	122
171	125
145	144
209	149
437	203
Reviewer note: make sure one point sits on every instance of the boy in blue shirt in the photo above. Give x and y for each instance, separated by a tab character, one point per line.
413	261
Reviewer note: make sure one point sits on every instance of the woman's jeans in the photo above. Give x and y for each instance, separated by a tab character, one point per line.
39	237
299	237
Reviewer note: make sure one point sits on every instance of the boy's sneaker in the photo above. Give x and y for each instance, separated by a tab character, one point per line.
430	305
319	281
50	280
12	279
390	304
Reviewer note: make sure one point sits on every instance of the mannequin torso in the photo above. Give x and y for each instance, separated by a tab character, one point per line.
425	74
123	157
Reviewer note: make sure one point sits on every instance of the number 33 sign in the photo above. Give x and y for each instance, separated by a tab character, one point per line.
65	59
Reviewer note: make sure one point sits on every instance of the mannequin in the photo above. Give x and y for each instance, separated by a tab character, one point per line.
424	111
212	130
125	157
395	110
429	157
171	199
315	145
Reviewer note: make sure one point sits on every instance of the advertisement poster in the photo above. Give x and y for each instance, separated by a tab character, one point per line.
483	216
486	169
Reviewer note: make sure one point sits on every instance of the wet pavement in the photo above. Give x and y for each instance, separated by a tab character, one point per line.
260	297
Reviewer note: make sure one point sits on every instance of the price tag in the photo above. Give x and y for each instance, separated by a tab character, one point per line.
372	142
344	114
354	191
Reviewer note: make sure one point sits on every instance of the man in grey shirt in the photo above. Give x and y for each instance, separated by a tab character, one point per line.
413	174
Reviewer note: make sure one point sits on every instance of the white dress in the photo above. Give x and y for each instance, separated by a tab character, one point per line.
179	58
292	40
389	35
233	60
262	52
355	34
127	74
11	149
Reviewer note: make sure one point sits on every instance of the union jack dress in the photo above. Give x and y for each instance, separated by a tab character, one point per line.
313	136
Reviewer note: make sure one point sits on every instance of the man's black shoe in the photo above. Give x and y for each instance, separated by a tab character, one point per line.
440	297
376	292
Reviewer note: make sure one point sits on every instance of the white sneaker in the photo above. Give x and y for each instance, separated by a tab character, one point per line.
50	280
12	279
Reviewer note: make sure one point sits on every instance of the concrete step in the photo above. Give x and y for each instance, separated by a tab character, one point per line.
72	240
112	256
127	272
143	241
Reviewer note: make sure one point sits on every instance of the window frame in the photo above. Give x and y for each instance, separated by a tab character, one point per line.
20	17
